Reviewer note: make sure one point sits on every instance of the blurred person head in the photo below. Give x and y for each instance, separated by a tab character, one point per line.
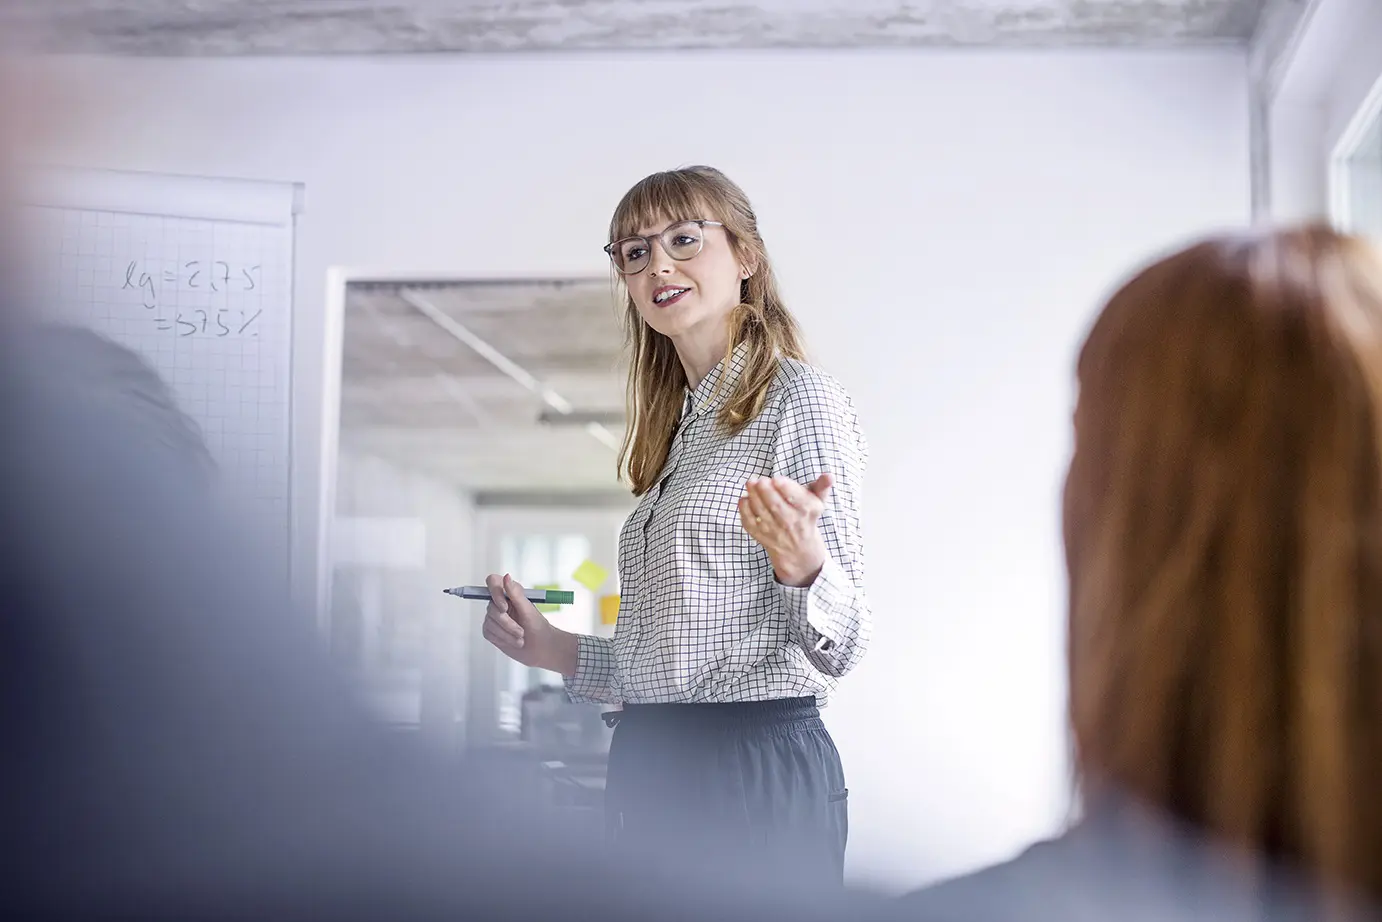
1223	531
121	384
686	248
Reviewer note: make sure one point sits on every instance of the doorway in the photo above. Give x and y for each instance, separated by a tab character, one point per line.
480	422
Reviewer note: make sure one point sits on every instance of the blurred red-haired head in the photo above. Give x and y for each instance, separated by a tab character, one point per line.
1223	522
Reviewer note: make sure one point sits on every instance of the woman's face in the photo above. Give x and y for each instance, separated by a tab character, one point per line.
689	297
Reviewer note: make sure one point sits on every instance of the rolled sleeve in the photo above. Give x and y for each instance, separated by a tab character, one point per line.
818	433
596	672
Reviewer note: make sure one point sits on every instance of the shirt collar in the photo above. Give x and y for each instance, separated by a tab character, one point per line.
715	386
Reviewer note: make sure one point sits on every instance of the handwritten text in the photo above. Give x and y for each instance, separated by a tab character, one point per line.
156	290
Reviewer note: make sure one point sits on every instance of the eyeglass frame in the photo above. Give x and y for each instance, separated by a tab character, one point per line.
702	223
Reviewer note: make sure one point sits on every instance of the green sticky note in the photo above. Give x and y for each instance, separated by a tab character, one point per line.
591	575
544	607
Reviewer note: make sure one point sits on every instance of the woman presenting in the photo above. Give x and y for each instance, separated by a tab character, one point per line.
741	568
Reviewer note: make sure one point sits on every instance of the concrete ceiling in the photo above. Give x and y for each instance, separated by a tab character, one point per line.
245	27
414	393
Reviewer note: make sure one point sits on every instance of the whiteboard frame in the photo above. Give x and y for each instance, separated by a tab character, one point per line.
171	195
338	280
260	202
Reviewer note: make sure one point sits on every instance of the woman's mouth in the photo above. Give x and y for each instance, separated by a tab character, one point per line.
669	295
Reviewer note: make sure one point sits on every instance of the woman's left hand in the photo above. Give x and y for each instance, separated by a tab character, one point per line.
781	515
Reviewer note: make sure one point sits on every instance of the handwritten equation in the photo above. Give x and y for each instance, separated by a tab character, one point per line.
156	289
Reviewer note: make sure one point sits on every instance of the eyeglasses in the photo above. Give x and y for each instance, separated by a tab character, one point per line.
681	241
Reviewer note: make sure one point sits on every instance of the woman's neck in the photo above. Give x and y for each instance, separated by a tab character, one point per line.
700	354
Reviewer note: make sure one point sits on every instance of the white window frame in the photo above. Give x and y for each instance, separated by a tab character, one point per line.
1343	160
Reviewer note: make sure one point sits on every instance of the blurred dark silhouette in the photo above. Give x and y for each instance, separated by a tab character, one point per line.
1223	532
173	742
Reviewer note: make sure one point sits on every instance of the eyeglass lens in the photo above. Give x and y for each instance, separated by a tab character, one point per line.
680	241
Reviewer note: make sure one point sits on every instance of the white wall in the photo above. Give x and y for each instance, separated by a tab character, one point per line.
421	677
1334	66
945	223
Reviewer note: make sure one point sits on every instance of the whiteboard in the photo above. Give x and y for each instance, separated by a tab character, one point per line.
196	275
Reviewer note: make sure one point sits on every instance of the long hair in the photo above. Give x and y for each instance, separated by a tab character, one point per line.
1223	530
656	376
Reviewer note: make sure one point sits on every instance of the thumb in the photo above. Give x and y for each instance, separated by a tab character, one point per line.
820	488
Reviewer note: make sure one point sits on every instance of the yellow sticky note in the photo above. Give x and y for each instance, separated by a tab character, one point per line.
609	609
591	575
544	608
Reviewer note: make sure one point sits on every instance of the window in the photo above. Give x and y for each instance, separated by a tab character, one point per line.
1357	174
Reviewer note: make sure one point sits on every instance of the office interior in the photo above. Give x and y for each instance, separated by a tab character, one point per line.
947	194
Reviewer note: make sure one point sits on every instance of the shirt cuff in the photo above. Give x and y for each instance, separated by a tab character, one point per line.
818	611
594	679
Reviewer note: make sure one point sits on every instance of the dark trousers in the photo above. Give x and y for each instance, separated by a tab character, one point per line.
713	792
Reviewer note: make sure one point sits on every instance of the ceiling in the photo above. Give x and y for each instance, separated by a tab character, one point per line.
268	27
414	393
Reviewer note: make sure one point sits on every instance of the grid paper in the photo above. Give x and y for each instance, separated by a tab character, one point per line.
208	305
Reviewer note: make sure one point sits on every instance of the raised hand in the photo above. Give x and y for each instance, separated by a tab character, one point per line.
782	515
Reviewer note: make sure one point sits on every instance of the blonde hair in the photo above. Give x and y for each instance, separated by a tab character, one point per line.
656	377
1223	530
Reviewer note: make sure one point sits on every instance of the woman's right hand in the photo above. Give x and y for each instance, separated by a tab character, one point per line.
521	633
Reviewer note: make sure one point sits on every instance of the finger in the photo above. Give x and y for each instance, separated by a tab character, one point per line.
746	519
821	486
757	508
495	635
803	497
500	639
495	584
502	621
783	512
793	493
776	511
